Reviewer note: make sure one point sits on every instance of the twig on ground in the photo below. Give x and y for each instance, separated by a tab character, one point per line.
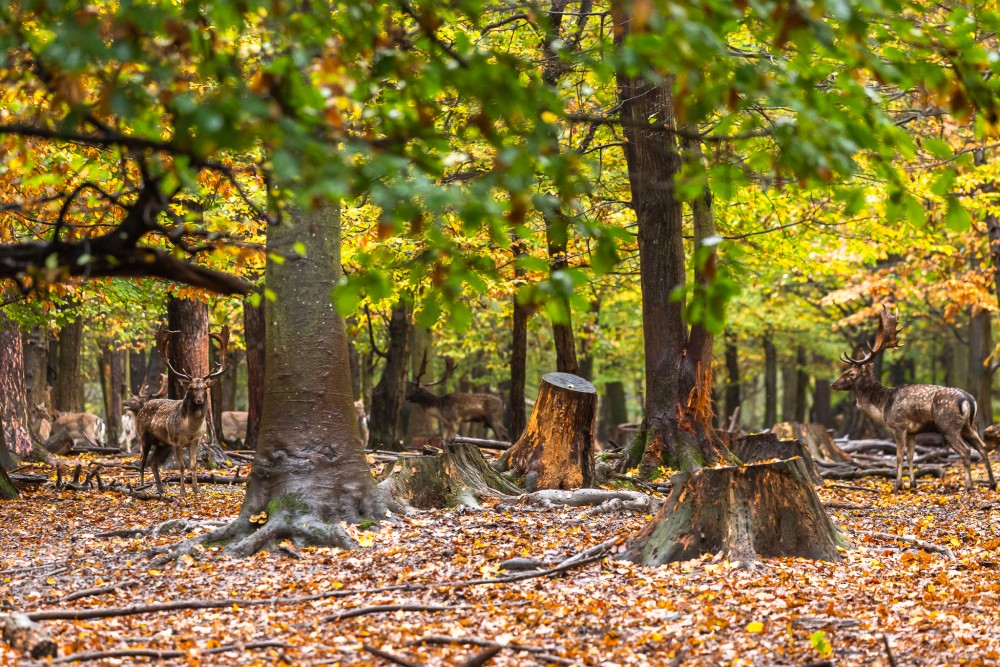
482	657
888	651
852	487
99	590
926	546
108	612
391	657
165	654
540	653
385	608
843	506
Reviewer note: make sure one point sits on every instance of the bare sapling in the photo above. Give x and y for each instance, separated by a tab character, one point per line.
912	409
177	425
453	409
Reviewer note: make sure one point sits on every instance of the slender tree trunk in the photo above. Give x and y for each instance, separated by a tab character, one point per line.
789	391
587	339
69	388
801	385
821	412
253	328
385	425
309	473
733	380
518	355
614	409
13	395
980	376
36	353
416	422
112	383
770	383
136	370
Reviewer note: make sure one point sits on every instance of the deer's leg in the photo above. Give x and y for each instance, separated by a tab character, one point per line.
971	436
955	441
160	454
911	445
193	456
900	436
179	453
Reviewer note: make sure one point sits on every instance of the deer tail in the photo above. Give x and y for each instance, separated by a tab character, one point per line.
967	407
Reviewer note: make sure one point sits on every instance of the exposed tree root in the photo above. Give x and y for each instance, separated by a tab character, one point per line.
601	500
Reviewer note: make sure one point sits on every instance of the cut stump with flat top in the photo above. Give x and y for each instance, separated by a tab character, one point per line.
761	447
742	512
556	450
815	438
457	476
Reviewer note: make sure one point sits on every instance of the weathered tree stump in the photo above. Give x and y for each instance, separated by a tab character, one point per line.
744	512
7	489
23	634
556	450
816	439
760	447
458	476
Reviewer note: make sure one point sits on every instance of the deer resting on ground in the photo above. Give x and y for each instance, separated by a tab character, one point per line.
82	428
912	409
167	425
455	408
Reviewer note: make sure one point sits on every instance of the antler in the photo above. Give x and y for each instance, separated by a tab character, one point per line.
423	369
222	338
885	339
449	370
163	336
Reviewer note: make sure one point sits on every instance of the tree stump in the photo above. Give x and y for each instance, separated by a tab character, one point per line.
816	439
761	447
556	449
744	512
7	489
23	634
458	476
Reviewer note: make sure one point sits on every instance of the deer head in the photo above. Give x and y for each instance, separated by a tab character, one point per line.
885	339
418	388
195	388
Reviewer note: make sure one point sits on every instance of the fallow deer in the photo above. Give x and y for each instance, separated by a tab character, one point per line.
912	409
167	425
234	425
454	408
82	428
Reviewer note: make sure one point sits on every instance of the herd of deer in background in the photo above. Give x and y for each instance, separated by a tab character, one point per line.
164	426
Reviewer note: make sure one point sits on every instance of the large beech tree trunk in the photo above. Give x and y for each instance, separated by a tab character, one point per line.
188	348
69	388
309	472
253	329
556	449
458	476
13	395
386	421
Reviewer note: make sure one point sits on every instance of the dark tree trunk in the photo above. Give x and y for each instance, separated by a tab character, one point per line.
821	412
229	381
789	389
732	394
980	375
416	423
253	329
68	387
7	460
556	449
36	354
112	374
136	370
614	410
309	473
587	340
770	383
7	489
385	423
155	370
518	357
13	396
677	427
801	385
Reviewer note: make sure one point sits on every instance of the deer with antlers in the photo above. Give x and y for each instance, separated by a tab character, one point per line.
454	408
167	425
912	409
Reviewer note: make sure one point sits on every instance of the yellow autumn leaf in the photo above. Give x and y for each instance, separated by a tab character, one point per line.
549	117
755	626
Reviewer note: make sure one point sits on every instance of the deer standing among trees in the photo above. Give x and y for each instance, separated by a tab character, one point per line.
167	425
912	409
454	408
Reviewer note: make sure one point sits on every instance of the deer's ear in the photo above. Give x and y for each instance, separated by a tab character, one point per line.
211	382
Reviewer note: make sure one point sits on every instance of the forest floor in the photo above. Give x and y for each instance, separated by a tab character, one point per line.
928	609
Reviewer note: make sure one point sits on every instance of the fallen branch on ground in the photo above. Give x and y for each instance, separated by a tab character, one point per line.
98	590
540	653
386	608
391	657
164	654
926	546
889	473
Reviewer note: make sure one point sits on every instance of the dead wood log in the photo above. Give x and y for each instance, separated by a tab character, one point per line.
391	657
556	450
760	447
459	475
98	590
889	473
600	500
23	634
743	512
166	654
387	608
815	438
926	546
538	652
482	443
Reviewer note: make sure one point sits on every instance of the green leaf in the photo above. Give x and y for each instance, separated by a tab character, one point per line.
943	183
938	148
957	218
